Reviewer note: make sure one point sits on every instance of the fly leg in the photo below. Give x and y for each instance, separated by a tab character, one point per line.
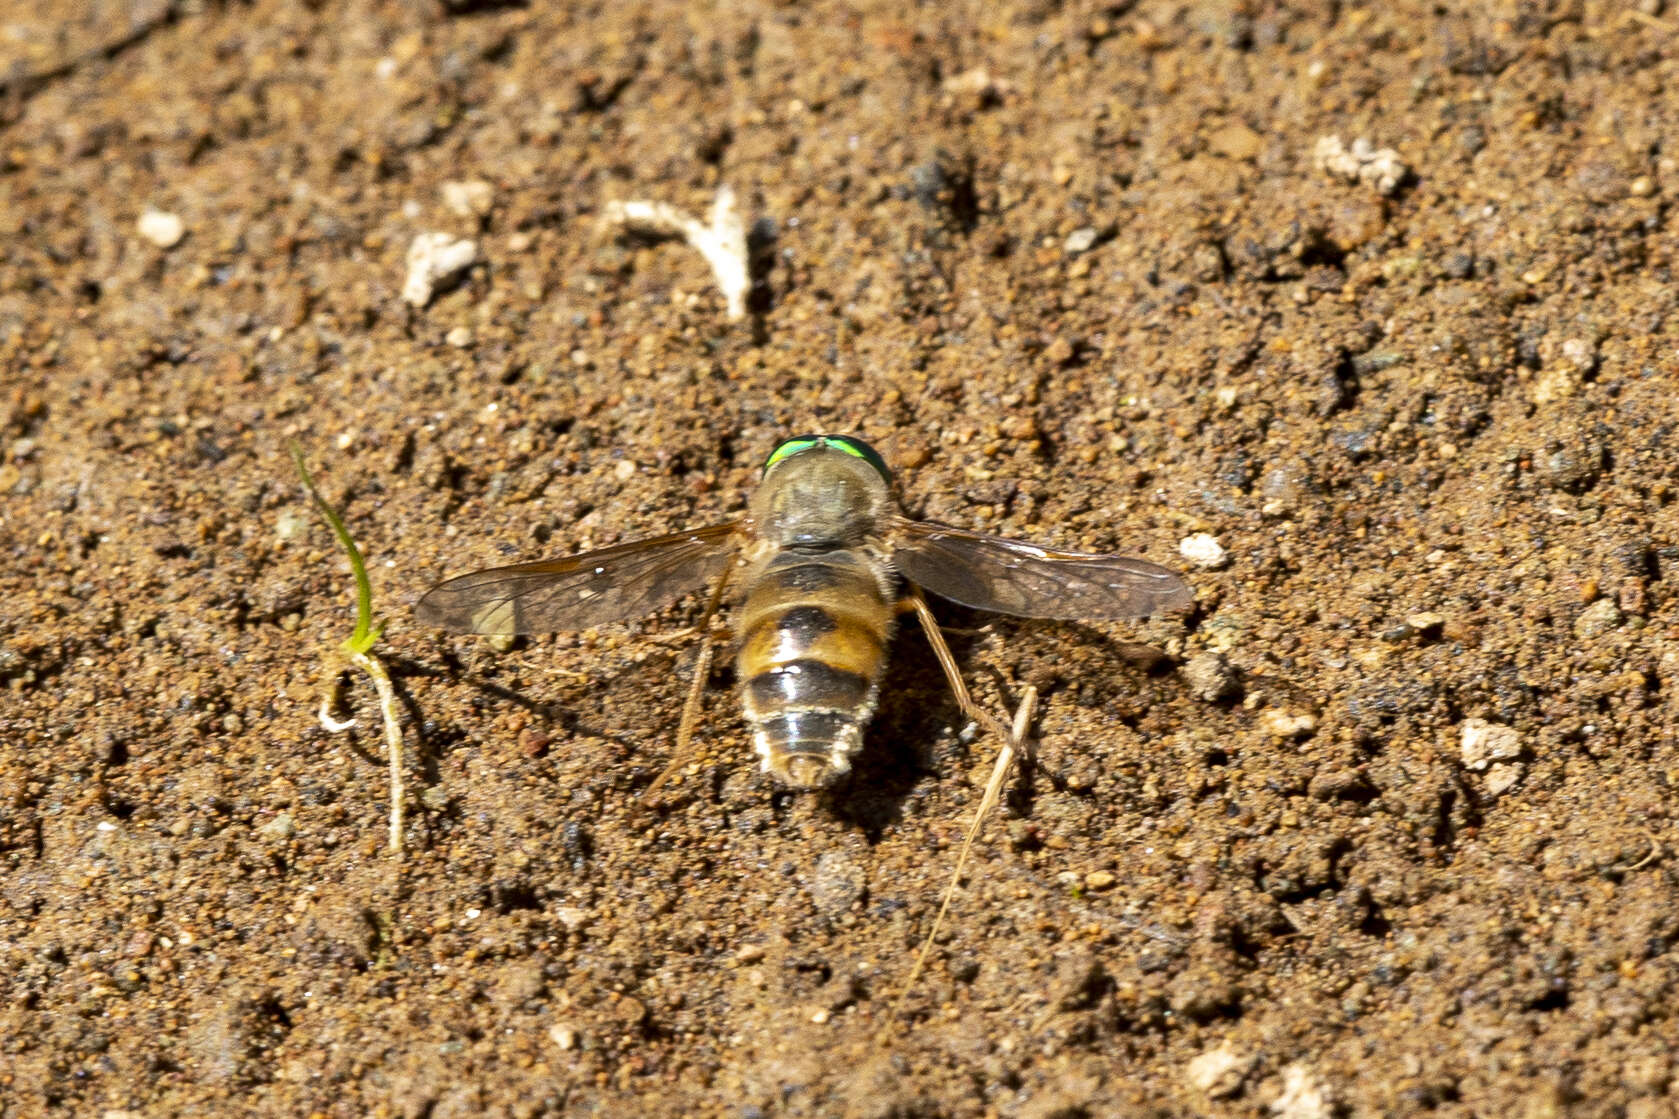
913	601
695	702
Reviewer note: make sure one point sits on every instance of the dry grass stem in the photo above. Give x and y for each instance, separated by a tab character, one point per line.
1013	747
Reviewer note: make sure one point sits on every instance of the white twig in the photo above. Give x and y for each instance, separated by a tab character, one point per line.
722	242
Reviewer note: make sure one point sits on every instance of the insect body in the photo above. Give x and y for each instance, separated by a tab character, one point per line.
819	557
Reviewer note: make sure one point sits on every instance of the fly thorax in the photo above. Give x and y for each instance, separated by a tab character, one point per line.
820	499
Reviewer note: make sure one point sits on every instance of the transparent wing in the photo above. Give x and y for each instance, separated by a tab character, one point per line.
591	589
1014	577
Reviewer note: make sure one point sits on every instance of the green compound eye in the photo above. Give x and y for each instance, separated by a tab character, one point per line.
790	447
854	447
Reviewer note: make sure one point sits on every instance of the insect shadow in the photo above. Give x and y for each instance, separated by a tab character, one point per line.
435	742
919	730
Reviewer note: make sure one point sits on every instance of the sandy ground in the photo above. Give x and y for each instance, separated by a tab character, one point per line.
1385	827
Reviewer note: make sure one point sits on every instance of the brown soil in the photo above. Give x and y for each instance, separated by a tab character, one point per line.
1075	268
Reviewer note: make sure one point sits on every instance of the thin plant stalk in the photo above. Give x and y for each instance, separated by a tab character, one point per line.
358	650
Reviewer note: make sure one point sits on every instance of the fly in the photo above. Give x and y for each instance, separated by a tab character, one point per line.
825	563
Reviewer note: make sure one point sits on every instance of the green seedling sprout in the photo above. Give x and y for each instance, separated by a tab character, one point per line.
358	650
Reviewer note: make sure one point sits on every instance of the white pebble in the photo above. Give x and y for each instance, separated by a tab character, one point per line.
1203	550
1501	778
1485	743
290	525
1303	1096
432	259
1284	725
572	917
162	229
1218	1072
469	199
1380	169
1080	241
460	337
1580	354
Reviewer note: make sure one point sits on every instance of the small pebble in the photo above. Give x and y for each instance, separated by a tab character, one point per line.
290	525
433	259
162	229
1380	169
1218	1073
563	1036
1235	141
1425	620
1579	353
749	954
625	470
460	337
1203	550
280	827
1211	677
469	199
572	917
1285	725
1598	619
1080	241
1501	778
1099	880
1303	1096
837	883
978	84
1484	743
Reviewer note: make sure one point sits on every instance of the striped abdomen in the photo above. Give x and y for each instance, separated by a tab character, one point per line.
813	634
